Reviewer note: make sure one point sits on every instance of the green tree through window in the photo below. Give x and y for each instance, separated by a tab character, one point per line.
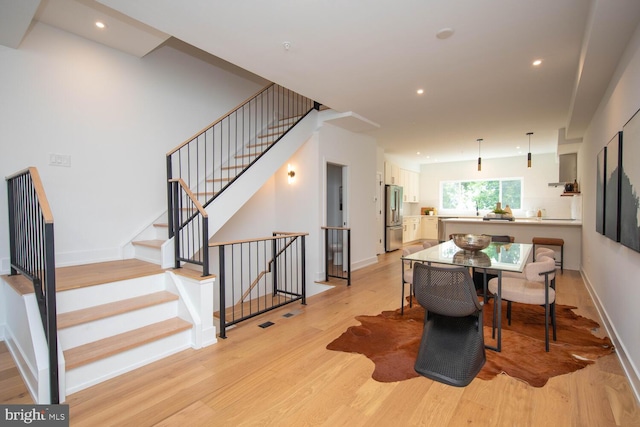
481	194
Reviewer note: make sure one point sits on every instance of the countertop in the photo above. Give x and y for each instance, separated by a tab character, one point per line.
518	221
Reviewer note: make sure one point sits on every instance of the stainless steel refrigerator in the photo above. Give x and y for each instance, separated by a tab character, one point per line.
393	218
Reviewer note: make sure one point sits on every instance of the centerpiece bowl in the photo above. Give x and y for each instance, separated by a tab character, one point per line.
471	242
472	259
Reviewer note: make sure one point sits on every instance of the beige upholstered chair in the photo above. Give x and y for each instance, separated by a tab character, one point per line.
537	287
540	252
407	273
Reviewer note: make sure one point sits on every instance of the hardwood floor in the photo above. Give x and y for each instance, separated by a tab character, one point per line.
283	375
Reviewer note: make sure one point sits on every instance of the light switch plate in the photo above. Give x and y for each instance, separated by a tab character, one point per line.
60	160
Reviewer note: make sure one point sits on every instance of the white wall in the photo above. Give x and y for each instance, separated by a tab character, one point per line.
116	116
611	269
537	193
358	153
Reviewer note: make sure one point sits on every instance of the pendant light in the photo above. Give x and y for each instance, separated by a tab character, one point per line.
479	158
529	154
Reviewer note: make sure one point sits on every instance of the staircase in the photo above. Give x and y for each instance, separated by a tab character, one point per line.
290	121
106	329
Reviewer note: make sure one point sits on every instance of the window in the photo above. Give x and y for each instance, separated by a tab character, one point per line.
481	194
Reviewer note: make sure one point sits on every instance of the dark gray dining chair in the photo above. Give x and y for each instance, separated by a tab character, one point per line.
452	345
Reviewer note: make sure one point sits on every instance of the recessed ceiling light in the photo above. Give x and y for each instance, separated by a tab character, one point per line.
420	91
418	153
537	62
444	33
100	25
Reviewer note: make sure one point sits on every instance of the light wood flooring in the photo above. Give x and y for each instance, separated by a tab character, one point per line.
283	376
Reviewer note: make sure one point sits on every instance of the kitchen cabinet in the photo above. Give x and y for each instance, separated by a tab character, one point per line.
410	182
429	227
391	174
411	229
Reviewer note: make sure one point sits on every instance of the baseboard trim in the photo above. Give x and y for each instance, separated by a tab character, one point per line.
66	259
364	263
627	365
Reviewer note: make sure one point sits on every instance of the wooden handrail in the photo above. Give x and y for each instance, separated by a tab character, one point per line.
47	215
260	239
17	174
224	116
191	196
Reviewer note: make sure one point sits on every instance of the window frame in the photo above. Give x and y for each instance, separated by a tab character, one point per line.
442	184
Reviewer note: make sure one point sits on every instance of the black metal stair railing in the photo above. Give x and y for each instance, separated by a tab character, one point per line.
191	239
31	249
215	157
259	275
337	253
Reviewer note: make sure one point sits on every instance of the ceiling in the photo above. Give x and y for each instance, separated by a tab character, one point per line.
367	58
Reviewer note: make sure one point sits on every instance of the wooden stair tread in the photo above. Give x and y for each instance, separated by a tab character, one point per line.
161	224
260	144
235	167
73	318
296	117
91	352
156	243
242	156
265	302
19	283
279	126
191	272
206	193
79	276
269	135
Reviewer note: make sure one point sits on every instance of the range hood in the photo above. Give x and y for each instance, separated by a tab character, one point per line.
567	160
568	169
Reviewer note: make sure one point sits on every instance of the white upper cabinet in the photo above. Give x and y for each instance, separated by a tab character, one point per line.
391	174
410	182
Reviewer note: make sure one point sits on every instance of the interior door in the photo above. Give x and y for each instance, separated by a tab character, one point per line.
337	198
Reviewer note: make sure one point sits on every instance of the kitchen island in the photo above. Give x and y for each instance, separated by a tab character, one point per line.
525	229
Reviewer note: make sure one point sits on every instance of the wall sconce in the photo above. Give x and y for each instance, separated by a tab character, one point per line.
479	158
529	154
291	174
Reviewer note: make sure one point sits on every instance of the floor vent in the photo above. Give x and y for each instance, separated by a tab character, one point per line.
265	324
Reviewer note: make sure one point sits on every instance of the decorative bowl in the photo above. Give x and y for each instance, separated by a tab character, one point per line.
472	259
471	242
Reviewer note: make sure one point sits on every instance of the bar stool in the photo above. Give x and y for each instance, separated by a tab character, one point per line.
550	241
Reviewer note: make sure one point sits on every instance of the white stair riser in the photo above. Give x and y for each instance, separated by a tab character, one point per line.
103	328
161	232
146	253
102	370
77	299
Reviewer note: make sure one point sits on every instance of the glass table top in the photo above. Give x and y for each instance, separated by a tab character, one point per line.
497	256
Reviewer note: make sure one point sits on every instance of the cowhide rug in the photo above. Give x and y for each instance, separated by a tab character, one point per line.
391	341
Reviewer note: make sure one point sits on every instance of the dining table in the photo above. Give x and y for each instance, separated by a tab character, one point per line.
497	258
